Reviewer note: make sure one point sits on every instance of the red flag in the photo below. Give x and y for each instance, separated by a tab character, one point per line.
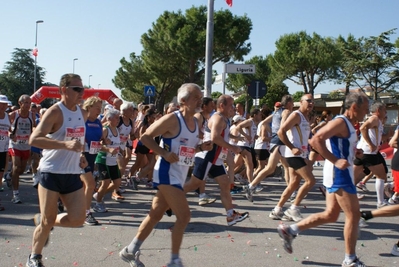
229	2
35	51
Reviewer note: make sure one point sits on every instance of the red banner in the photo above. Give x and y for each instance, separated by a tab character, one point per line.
229	2
54	92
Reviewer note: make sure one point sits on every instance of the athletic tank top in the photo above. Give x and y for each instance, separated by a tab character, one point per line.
276	121
93	136
375	135
64	161
115	143
252	132
4	128
183	144
22	129
124	132
218	154
259	143
342	148
299	136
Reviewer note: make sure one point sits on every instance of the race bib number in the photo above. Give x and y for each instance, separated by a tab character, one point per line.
305	152
3	135
186	156
223	153
123	138
95	147
77	133
22	139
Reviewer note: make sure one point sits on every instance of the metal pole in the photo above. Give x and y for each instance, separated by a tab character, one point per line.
209	50
73	70
89	80
257	93
35	69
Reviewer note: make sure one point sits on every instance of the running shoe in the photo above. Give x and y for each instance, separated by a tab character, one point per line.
393	202
134	181
133	260
237	217
388	190
248	192
294	214
276	215
284	232
7	179
240	179
99	207
175	263
362	186
258	188
60	206
90	220
206	200
395	250
117	196
383	204
16	199
35	261
355	263
235	190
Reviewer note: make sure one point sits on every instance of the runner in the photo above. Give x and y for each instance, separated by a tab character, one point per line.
5	127
179	131
336	142
61	135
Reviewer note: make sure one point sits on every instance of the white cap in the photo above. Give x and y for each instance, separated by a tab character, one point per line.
4	99
238	118
108	106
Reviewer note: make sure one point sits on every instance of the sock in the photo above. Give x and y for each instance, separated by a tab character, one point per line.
250	186
15	192
278	209
230	212
349	258
35	256
294	229
293	207
174	257
202	195
134	246
379	189
366	215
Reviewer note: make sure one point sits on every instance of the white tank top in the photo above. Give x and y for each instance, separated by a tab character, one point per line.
183	144
115	143
22	129
124	132
252	132
64	161
375	135
259	143
299	136
231	140
4	128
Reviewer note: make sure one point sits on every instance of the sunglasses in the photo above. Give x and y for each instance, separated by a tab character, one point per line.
309	100
77	89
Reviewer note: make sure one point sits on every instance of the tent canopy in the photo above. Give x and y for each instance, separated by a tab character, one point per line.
54	92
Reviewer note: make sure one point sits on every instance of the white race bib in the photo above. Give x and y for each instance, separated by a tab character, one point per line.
186	156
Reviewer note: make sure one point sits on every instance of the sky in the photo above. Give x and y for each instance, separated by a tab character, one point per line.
99	33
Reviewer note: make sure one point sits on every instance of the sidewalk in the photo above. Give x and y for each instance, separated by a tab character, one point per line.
208	241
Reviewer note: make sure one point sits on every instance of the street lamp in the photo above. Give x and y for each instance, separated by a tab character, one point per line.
73	70
89	80
99	85
35	54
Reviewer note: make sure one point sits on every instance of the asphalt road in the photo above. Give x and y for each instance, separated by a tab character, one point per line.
208	241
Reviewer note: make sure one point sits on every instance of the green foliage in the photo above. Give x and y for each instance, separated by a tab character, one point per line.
215	95
297	96
174	48
305	60
17	78
336	95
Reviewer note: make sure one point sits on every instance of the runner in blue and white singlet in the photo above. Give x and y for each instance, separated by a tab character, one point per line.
184	145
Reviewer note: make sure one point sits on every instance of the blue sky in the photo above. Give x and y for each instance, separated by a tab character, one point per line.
99	32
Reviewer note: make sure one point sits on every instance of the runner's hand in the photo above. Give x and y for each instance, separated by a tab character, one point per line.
83	161
73	145
341	164
171	157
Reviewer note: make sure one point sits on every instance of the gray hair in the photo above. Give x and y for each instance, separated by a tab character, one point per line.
285	99
111	113
357	98
184	91
377	106
126	106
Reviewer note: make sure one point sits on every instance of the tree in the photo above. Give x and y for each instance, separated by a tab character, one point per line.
376	63
173	50
215	95
297	96
17	77
305	60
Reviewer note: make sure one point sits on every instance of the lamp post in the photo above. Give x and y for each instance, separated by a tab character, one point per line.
73	70
89	80
35	54
99	85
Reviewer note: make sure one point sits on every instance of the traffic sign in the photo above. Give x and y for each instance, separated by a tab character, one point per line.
257	89
149	90
240	68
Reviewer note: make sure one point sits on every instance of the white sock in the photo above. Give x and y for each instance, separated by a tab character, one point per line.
379	189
